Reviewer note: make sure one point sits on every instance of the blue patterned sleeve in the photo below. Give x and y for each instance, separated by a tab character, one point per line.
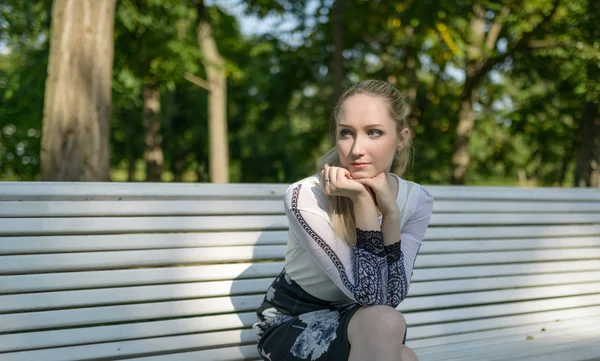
397	286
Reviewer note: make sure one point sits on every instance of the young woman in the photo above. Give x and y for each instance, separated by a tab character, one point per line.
355	231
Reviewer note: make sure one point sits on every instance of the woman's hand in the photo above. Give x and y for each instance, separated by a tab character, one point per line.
338	182
384	196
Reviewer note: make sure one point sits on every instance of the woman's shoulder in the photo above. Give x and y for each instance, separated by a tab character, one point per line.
414	197
306	193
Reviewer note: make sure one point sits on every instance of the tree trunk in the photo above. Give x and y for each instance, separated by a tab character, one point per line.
153	154
337	65
217	98
461	156
587	169
77	100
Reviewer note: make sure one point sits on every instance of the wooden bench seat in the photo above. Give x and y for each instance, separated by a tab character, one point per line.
114	271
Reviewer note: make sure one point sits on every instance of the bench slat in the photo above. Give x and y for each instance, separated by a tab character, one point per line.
180	256
148	311
126	331
99	225
95	225
150	276
492	336
20	191
77	208
456	233
89	243
139	347
86	335
144	208
121	295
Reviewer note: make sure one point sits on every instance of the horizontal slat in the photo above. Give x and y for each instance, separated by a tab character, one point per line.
150	276
130	259
440	219
126	331
510	232
124	313
180	256
512	206
113	242
148	311
470	319
133	348
22	191
79	208
104	225
146	191
88	243
235	353
495	335
139	208
575	283
507	348
41	339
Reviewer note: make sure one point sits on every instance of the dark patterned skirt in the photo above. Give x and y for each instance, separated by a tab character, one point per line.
296	326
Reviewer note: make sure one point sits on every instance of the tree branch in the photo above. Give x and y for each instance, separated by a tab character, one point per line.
521	45
495	29
198	81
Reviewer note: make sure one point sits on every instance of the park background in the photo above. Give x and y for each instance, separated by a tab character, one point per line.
502	92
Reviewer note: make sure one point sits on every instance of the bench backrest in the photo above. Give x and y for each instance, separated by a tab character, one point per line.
104	270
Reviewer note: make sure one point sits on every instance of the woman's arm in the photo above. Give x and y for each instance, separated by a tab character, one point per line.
360	271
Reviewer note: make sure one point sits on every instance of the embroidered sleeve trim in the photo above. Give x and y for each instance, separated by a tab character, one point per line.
392	252
370	241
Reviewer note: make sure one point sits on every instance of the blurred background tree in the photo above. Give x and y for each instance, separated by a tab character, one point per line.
502	92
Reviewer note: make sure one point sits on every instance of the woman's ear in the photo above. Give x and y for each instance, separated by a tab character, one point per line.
402	137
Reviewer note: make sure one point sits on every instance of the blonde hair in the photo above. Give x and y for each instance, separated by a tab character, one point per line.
341	209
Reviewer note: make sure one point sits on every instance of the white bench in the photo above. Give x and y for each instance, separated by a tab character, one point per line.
111	271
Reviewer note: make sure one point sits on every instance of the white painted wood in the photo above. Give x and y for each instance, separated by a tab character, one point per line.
140	276
114	333
545	343
138	347
179	256
100	225
512	206
462	272
187	191
31	209
456	233
460	321
494	261
95	208
516	336
147	311
114	242
129	259
105	296
447	342
513	218
148	276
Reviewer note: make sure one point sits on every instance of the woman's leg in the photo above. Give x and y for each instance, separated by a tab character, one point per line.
376	333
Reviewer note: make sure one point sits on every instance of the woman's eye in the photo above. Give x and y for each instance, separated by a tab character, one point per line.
344	133
375	132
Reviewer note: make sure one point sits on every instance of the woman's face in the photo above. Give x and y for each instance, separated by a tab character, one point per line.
366	136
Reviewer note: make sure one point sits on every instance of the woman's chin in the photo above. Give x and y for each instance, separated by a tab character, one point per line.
360	174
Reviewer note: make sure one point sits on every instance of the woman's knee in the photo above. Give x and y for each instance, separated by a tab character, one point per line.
381	323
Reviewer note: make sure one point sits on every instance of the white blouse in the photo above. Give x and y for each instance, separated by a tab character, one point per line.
368	273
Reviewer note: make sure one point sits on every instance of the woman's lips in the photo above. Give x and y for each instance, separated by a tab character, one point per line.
359	165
